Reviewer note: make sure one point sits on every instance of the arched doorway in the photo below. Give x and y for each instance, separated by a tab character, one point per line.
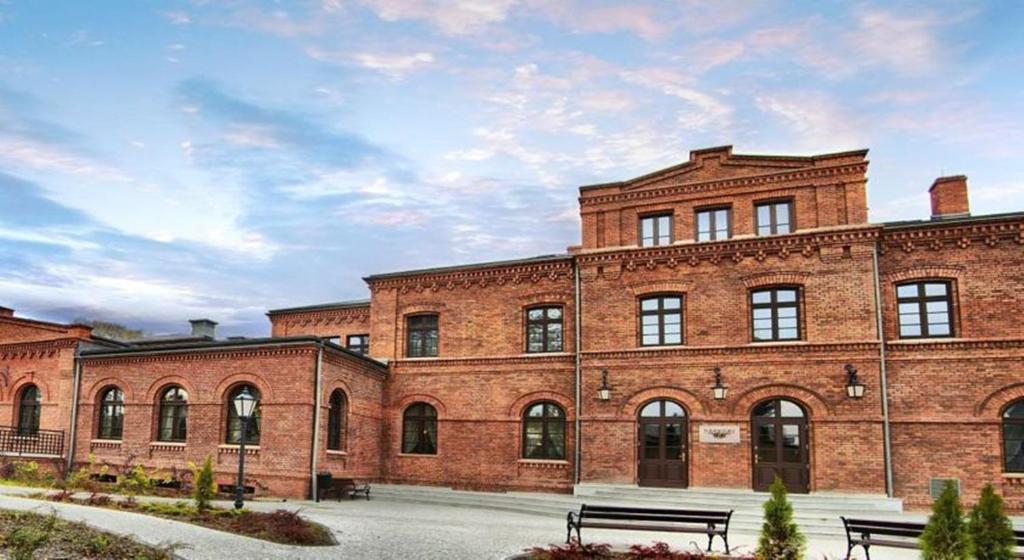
778	430
662	445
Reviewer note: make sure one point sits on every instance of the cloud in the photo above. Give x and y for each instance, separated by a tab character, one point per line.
393	65
814	119
177	17
639	19
451	17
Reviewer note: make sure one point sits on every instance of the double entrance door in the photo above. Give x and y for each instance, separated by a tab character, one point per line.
779	434
662	443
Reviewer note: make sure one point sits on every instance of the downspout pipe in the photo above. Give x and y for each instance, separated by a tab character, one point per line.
883	377
579	372
76	384
318	395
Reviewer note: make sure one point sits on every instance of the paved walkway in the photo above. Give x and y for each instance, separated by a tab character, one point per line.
378	530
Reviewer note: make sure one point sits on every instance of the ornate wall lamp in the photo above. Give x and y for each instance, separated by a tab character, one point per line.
854	388
604	392
719	390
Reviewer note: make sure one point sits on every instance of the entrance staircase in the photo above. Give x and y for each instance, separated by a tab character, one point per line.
817	514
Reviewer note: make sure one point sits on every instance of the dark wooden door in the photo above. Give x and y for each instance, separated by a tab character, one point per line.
780	447
662	445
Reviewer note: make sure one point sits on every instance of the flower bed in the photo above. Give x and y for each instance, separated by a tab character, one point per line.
593	551
281	526
29	535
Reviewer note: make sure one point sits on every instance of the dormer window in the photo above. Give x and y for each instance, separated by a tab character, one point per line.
713	224
774	218
656	229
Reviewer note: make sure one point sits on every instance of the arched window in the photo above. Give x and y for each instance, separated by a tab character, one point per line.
234	431
28	410
336	421
111	422
1013	437
419	429
173	415
544	431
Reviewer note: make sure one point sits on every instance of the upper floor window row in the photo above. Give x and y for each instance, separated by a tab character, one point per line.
421	336
358	343
714	224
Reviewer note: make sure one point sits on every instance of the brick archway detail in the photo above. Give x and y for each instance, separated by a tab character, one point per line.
994	403
775	278
433	401
158	386
515	411
266	395
815	404
99	386
422	307
333	386
660	287
28	379
694	405
922	272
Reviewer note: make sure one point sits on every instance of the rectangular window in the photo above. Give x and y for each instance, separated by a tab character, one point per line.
655	230
661	320
421	336
713	224
775	314
925	309
773	218
358	343
544	329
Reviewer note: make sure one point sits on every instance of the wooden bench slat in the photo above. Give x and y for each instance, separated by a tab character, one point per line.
653	517
643	527
711	523
611	509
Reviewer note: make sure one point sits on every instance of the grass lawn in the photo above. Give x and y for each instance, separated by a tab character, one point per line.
29	535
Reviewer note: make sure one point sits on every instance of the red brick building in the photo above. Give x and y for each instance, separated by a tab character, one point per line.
723	321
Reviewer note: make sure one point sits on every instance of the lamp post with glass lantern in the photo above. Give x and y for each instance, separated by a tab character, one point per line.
245	405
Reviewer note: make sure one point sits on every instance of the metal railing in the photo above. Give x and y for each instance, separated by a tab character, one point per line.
20	441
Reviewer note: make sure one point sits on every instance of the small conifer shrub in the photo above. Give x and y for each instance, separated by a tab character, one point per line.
945	536
781	539
990	530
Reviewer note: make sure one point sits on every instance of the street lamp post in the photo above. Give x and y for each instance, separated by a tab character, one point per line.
245	404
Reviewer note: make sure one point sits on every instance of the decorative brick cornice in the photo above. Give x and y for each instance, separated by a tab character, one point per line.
935	235
804	245
559	358
770	179
478	277
30	350
199	354
325	317
829	348
954	344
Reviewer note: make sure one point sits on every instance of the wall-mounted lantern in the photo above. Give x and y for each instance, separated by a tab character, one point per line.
604	392
719	390
854	388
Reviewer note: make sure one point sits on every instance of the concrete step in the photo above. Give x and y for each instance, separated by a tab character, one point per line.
818	517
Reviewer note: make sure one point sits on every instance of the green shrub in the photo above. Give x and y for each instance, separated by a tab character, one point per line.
945	536
780	537
134	482
27	472
23	541
205	486
990	531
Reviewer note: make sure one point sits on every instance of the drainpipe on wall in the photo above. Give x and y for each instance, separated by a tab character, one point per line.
882	374
76	382
579	380
317	389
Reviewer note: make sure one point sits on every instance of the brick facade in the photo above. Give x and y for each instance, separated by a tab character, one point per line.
945	395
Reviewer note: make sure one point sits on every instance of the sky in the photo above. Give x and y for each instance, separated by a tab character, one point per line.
162	161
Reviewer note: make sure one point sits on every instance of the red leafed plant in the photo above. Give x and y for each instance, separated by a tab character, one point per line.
572	551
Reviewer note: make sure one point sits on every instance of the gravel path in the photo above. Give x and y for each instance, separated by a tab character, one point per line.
378	530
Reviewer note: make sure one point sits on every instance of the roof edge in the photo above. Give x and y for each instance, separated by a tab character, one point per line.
472	266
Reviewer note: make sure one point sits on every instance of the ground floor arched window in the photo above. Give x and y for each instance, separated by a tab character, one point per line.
544	431
1013	437
29	404
419	429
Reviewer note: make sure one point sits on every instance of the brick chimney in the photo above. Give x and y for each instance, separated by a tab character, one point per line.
6	312
204	327
949	197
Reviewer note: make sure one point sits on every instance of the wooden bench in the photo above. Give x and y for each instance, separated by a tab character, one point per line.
327	485
710	523
863	533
